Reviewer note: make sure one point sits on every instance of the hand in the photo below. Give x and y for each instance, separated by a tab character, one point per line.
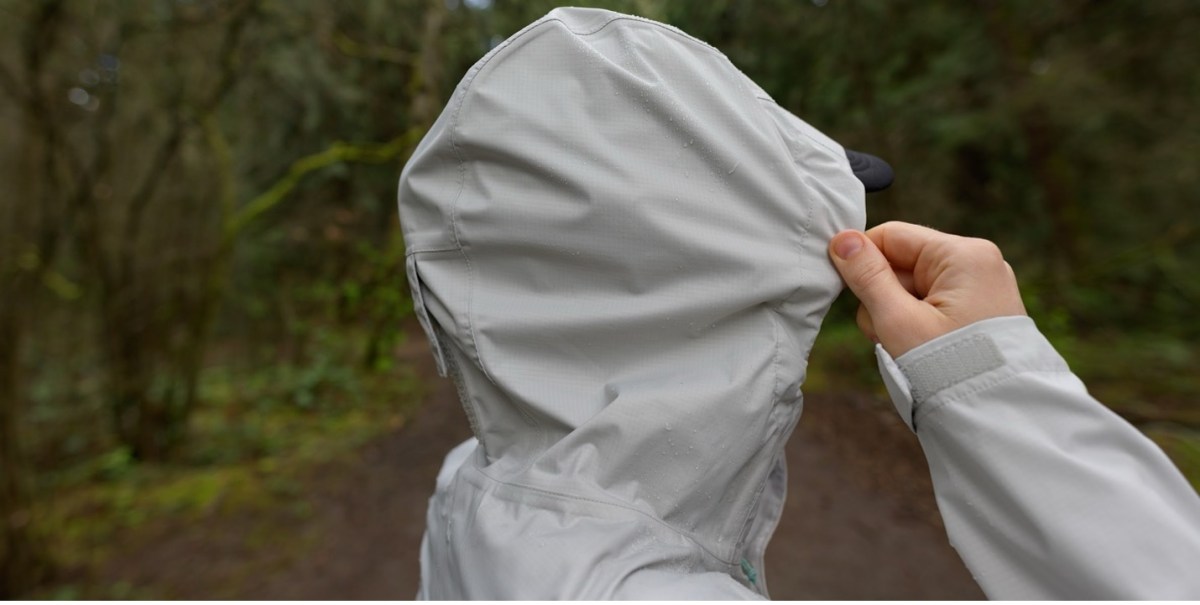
916	284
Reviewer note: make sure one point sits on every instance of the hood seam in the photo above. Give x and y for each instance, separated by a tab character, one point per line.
455	229
461	161
749	514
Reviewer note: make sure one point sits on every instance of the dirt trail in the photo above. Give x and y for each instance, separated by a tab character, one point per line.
860	520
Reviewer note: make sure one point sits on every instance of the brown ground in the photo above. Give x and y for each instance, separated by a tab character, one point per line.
860	520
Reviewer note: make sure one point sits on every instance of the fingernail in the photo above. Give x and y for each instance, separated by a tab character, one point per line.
847	245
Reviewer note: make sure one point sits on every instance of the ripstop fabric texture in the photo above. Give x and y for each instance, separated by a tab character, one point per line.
616	243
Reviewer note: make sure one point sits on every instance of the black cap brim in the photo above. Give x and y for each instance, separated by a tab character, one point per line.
875	174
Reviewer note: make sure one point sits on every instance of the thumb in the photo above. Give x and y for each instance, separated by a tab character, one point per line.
868	274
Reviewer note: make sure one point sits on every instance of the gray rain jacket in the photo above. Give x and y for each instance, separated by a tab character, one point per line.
616	243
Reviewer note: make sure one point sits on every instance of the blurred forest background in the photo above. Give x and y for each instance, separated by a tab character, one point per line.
201	281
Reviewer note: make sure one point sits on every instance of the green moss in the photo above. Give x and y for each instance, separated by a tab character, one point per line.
116	591
243	457
1144	377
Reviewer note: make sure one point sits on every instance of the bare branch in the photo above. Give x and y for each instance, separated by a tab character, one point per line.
357	50
176	133
338	153
228	57
59	160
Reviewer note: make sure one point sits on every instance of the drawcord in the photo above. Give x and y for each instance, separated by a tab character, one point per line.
750	573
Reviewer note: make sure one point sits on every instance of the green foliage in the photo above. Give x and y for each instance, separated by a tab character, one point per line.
249	450
1145	378
1182	445
842	359
205	267
1059	130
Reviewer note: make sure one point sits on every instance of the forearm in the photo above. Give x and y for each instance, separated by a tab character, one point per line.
1045	492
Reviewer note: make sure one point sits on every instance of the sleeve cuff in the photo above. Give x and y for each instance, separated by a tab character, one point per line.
965	360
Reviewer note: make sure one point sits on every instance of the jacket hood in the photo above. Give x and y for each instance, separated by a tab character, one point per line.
616	243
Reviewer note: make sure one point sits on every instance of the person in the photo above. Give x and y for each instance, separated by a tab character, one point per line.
618	246
1044	491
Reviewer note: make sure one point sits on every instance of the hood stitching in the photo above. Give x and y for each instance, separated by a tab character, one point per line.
460	157
461	101
430	250
456	229
790	154
749	513
659	25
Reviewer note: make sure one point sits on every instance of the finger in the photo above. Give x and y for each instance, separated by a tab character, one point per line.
904	243
868	274
907	280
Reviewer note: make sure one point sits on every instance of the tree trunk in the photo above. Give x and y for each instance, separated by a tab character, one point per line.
23	563
139	420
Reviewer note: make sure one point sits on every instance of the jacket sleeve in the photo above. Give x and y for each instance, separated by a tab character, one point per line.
1045	493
